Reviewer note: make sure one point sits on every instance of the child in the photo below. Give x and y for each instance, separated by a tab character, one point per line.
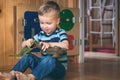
50	36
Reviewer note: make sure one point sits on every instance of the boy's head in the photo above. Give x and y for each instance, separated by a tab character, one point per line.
49	16
48	7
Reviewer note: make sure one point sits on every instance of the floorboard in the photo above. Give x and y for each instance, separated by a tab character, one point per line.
95	69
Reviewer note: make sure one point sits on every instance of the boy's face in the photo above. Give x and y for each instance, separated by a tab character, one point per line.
49	22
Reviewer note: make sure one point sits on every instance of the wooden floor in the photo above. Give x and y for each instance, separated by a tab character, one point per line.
95	69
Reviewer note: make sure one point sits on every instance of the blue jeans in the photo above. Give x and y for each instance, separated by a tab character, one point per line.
45	66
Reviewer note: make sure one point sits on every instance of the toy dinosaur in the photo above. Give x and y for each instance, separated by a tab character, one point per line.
53	51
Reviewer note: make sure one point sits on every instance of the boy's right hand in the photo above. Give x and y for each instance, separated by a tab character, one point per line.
27	43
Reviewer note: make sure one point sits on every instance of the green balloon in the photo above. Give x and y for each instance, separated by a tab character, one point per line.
67	17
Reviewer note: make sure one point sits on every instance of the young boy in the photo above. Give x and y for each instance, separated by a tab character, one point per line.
50	36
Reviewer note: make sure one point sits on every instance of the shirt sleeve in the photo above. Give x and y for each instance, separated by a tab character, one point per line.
63	35
36	37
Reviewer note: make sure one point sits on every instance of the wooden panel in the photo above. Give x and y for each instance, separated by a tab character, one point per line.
9	34
20	10
63	3
118	29
74	32
72	4
2	35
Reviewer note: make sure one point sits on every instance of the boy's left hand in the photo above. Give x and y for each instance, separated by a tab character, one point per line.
45	45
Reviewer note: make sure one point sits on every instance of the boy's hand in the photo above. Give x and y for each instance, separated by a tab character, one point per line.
45	45
27	43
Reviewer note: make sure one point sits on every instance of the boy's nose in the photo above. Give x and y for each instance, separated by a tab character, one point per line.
45	25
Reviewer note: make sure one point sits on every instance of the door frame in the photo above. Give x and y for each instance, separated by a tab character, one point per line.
117	24
81	31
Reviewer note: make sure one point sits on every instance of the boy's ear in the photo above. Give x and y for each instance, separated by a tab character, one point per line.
58	21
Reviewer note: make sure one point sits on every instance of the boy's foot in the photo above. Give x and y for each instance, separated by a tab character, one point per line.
21	76
6	76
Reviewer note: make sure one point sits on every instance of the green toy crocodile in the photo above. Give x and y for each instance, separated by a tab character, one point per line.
53	51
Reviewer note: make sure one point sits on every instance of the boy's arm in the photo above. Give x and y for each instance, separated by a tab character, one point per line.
63	44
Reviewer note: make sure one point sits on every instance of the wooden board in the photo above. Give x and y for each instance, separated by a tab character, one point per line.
74	32
20	10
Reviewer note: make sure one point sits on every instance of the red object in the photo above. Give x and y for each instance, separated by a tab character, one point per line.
106	50
86	48
70	39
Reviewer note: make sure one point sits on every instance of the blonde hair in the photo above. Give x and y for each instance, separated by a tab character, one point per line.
48	7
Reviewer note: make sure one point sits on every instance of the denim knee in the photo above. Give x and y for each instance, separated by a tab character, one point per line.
26	61
49	60
45	66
